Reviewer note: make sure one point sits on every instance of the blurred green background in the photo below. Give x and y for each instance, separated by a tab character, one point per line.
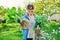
9	18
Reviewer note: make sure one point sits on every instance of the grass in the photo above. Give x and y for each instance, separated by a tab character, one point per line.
12	33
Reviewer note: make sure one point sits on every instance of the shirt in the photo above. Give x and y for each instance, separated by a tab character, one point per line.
31	31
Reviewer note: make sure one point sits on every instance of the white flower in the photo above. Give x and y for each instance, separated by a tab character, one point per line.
53	31
53	38
59	30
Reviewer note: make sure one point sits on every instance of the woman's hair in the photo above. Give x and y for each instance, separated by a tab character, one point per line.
30	6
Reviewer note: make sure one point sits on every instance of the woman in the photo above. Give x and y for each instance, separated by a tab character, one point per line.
30	16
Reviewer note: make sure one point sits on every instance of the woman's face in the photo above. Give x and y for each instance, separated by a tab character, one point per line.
30	11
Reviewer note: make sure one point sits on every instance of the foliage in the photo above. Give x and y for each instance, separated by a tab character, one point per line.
10	32
47	7
44	8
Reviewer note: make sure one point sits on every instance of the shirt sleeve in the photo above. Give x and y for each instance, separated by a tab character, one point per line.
20	19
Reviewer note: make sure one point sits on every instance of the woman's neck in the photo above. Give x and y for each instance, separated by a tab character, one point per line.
31	16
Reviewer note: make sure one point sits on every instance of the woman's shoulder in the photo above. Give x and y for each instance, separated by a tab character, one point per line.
25	16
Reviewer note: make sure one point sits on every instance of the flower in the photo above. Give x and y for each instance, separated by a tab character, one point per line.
59	30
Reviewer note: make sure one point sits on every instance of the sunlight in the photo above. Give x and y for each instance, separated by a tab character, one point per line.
15	3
